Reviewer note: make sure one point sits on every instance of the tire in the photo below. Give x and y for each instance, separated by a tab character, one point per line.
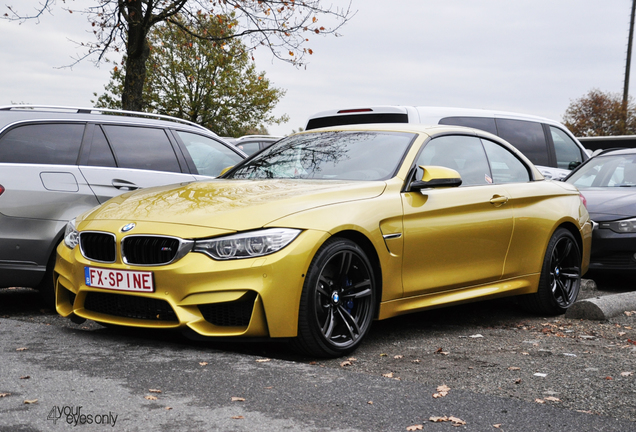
46	287
560	279
337	304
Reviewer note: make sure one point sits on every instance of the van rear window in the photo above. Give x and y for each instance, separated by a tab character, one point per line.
357	119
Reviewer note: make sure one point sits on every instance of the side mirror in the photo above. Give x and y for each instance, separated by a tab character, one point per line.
436	177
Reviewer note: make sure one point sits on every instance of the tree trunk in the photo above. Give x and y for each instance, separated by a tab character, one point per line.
138	52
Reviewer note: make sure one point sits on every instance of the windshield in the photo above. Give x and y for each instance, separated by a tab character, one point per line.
342	155
607	171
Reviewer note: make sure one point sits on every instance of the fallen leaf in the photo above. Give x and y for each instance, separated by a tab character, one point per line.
168	408
525	353
150	397
370	402
609	378
553	399
21	349
399	356
352	359
630	313
539	401
154	391
457	421
388	375
30	401
415	361
441	391
626	374
345	363
237	417
514	368
237	399
25	377
622	333
265	360
498	425
518	381
4	395
383	355
313	363
203	363
415	427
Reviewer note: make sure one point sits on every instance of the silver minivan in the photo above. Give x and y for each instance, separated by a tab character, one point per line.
57	162
547	143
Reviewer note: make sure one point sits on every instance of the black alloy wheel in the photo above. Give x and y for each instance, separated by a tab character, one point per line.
338	301
560	276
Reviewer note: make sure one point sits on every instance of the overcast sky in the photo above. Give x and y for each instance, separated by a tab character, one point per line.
532	57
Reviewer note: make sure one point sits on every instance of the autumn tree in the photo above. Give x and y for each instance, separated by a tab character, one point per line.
600	114
210	83
283	26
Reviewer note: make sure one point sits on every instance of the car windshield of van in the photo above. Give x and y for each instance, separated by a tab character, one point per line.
341	155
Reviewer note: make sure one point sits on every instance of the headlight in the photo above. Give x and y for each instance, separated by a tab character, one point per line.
622	226
247	245
71	235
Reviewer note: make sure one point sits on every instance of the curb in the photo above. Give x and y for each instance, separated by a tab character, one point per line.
602	308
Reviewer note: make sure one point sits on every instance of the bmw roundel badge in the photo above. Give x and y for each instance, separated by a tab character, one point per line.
128	227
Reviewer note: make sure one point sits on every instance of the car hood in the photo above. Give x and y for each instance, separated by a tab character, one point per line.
232	204
610	203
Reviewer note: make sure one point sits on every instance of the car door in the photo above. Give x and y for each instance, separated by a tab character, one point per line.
455	237
121	158
43	189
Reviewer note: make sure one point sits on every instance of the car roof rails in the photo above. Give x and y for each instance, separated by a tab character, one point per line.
258	136
82	110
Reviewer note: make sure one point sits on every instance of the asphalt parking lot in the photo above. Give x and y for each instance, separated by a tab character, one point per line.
489	364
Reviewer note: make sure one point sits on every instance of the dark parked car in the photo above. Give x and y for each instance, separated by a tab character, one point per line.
57	162
251	144
608	183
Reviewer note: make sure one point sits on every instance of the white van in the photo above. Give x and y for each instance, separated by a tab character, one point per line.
547	143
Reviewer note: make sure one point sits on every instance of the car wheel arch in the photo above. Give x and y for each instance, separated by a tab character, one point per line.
570	226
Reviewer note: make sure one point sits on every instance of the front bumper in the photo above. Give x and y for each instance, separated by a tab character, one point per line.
254	297
612	251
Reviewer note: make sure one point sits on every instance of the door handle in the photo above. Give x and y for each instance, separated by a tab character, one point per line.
498	200
124	185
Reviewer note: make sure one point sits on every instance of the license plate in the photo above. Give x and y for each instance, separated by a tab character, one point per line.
122	280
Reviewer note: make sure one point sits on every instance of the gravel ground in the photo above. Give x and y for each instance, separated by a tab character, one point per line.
491	347
498	349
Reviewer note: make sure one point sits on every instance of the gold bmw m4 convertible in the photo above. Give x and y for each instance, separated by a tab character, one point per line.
318	235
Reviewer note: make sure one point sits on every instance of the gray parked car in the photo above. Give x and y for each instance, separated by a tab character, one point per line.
57	162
